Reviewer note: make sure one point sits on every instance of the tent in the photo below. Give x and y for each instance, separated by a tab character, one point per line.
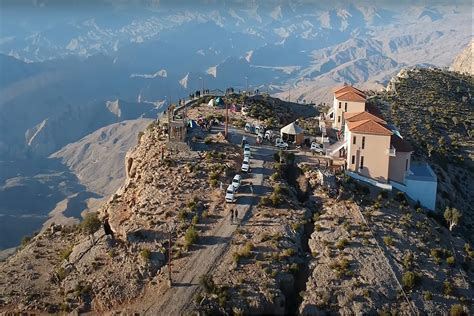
292	133
211	103
219	101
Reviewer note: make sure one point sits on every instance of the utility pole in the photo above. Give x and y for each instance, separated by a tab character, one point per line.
226	120
170	254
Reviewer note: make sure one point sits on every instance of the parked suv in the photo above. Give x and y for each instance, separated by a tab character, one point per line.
230	194
246	164
280	143
236	182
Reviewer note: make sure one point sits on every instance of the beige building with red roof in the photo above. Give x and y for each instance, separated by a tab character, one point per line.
347	99
374	150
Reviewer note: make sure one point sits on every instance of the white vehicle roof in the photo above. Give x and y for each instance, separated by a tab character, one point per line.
237	177
246	160
230	188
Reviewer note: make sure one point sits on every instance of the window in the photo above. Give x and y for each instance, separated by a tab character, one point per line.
353	159
406	165
361	162
340	103
345	107
353	140
339	119
363	142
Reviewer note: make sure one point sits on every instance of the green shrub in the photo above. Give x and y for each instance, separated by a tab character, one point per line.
457	310
207	283
341	243
288	252
182	215
388	241
65	253
408	280
275	176
341	267
427	296
208	140
450	260
145	253
195	219
447	288
91	223
408	260
294	267
190	237
25	240
213	183
246	250
205	214
140	134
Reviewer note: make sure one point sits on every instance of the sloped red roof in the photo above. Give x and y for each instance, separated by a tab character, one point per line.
350	96
368	127
344	89
400	144
360	116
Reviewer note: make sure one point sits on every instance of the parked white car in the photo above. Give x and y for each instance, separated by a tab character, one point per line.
246	150
230	194
316	147
269	135
246	165
280	143
236	182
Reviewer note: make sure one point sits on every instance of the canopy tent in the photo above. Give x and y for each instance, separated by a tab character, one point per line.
211	103
292	133
215	102
219	101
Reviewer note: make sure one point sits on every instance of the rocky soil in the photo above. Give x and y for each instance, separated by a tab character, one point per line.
364	254
258	274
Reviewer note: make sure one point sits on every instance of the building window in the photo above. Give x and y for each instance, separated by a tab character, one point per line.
363	142
361	162
353	159
345	107
340	103
406	165
353	140
339	119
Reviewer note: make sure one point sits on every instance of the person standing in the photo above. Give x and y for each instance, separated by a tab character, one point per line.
251	188
232	216
236	215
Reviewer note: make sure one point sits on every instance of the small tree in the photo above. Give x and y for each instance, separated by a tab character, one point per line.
452	216
90	224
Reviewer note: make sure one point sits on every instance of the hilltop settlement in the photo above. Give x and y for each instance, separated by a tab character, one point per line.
241	203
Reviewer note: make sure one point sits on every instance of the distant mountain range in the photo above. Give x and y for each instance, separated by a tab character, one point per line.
69	70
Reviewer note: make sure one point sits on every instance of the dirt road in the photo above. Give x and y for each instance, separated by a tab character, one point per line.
177	300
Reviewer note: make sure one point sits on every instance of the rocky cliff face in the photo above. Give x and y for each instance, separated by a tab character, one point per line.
66	268
464	62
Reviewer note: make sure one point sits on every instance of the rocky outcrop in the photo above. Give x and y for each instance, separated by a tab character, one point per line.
464	62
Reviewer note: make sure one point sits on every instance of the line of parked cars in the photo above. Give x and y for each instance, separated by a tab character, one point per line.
237	180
